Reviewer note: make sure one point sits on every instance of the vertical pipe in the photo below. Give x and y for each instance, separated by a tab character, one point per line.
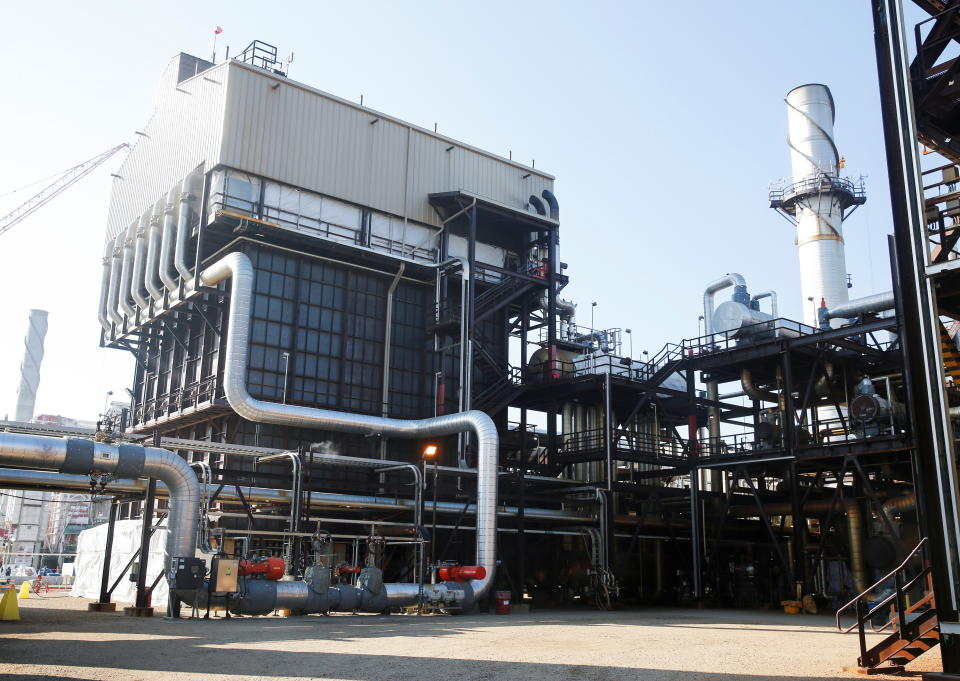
608	419
713	429
142	596
387	344
696	533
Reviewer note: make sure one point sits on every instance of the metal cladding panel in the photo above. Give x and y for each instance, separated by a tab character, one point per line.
300	136
183	133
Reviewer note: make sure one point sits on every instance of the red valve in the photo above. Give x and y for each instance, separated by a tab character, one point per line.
461	573
349	570
267	568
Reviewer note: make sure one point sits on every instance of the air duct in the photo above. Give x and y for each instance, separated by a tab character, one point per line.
110	263
30	366
551	200
140	263
151	278
123	294
168	238
115	248
879	302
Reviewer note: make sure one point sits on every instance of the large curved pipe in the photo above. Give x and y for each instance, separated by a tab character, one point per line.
123	295
772	295
878	302
74	456
729	279
238	268
752	391
168	238
113	295
103	309
537	205
183	232
551	200
151	277
140	263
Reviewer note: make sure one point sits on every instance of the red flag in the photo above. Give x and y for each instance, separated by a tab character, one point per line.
217	30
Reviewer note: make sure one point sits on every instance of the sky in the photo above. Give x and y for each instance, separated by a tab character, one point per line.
664	129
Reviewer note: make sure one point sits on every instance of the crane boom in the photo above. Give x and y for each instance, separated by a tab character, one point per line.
63	181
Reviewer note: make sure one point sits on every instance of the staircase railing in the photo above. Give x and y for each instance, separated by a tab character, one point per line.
897	599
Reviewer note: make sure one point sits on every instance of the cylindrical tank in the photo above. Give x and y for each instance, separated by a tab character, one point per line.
819	215
739	320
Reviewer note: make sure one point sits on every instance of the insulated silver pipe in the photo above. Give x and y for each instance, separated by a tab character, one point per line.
168	273
238	268
772	295
878	302
74	457
183	232
140	263
103	315
151	278
123	295
730	279
113	294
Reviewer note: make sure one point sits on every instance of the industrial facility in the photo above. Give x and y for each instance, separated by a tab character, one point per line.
361	387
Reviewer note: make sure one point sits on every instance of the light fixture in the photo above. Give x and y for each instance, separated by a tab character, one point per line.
430	451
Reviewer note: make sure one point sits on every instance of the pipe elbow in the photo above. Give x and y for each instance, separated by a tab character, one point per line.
537	205
551	200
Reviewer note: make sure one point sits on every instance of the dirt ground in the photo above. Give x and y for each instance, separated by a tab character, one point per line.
57	639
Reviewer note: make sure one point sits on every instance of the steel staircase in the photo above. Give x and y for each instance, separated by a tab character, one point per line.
500	394
914	627
664	364
504	293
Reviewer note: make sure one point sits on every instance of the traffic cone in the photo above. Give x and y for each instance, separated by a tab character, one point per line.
9	610
25	590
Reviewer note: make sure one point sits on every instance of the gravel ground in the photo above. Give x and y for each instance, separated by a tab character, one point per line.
57	639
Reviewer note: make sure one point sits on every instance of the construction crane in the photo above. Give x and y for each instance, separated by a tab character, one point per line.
61	183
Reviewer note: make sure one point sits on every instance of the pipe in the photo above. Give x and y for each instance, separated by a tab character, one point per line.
168	273
237	266
126	309
206	474
878	302
388	333
21	479
113	294
103	315
295	495
183	232
139	263
551	200
772	295
729	279
151	278
537	205
752	391
74	457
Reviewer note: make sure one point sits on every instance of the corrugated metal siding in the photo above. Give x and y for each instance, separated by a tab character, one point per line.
310	139
184	132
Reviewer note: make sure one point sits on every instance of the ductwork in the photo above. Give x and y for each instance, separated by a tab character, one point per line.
168	238
113	294
238	268
151	278
875	303
537	205
123	295
730	279
183	232
140	263
752	391
552	202
74	456
103	309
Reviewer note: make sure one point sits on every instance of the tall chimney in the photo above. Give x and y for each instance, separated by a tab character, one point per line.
817	200
30	367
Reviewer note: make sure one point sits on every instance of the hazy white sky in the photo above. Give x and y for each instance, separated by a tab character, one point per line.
664	128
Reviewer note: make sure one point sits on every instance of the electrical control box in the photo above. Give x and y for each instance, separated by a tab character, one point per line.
223	575
189	573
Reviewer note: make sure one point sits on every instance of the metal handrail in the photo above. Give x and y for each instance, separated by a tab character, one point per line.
885	601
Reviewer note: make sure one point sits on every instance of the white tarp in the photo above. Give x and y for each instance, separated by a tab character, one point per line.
91	545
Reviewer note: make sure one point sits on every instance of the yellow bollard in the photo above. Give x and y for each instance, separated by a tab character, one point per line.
9	610
25	589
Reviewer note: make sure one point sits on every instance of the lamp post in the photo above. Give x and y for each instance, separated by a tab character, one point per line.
813	304
700	329
431	453
106	399
286	373
630	336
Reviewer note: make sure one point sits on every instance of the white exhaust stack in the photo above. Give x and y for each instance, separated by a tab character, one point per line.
30	367
817	200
